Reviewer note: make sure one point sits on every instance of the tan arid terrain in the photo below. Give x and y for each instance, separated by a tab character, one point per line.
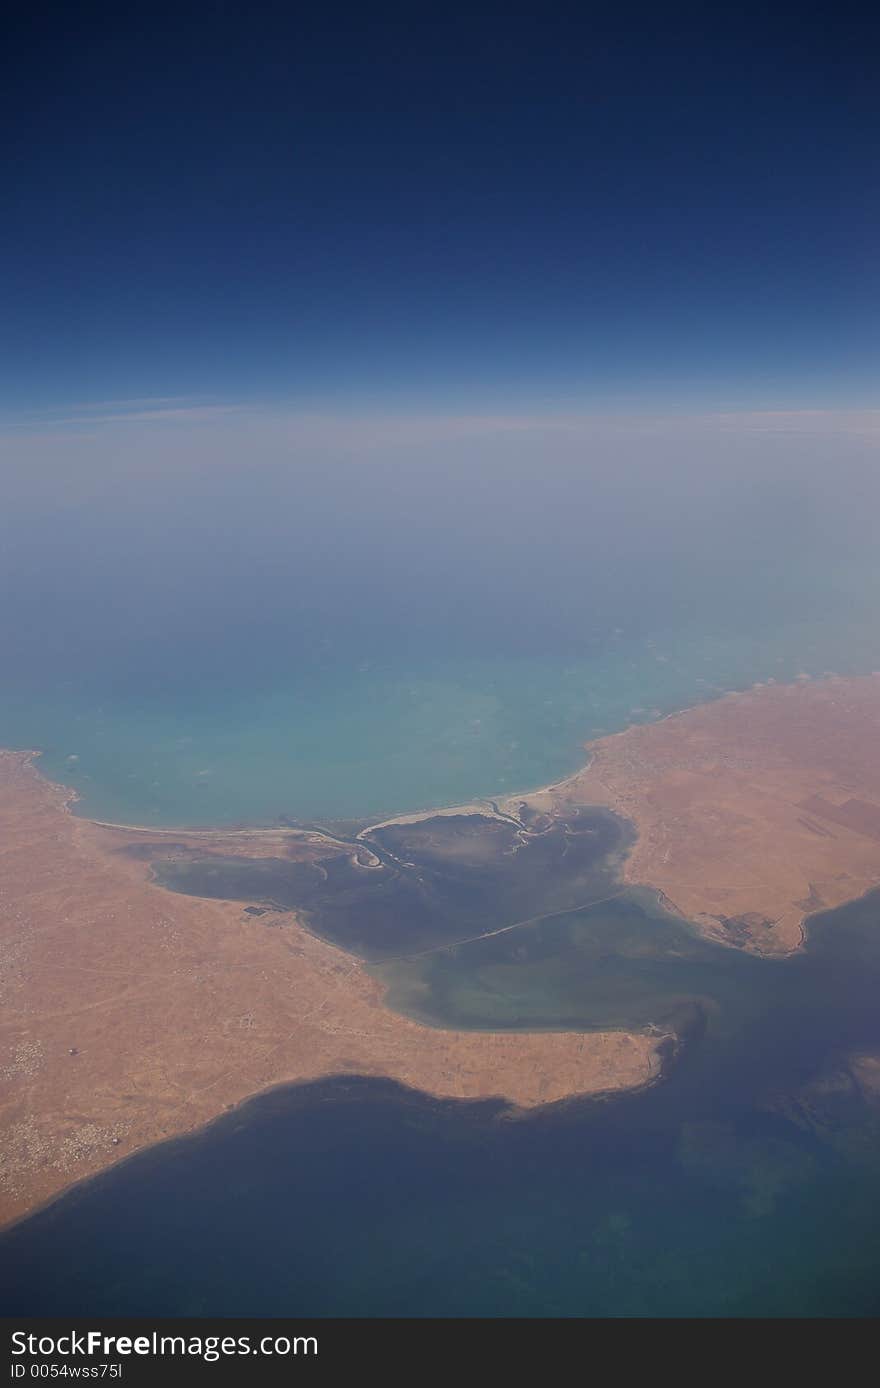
752	812
131	1014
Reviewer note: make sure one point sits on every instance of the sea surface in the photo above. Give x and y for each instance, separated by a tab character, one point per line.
743	1183
202	644
198	643
372	738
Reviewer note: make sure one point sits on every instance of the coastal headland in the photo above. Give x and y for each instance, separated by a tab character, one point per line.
153	979
752	812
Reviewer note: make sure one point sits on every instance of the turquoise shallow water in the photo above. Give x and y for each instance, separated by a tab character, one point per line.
349	636
386	736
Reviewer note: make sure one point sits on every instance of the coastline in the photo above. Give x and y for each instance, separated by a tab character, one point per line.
483	805
233	1009
668	1052
709	694
480	804
777	927
177	1008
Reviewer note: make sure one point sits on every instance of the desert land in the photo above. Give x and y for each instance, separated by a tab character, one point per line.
132	1014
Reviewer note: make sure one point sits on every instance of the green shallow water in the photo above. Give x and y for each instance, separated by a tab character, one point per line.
624	963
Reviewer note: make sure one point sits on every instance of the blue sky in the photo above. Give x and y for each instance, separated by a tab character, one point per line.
441	208
366	333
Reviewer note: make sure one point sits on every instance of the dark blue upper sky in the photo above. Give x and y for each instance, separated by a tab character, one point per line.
563	204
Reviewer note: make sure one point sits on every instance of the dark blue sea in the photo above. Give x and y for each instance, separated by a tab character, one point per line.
743	1183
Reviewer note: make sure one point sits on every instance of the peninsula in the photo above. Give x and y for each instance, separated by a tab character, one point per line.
751	812
133	1013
